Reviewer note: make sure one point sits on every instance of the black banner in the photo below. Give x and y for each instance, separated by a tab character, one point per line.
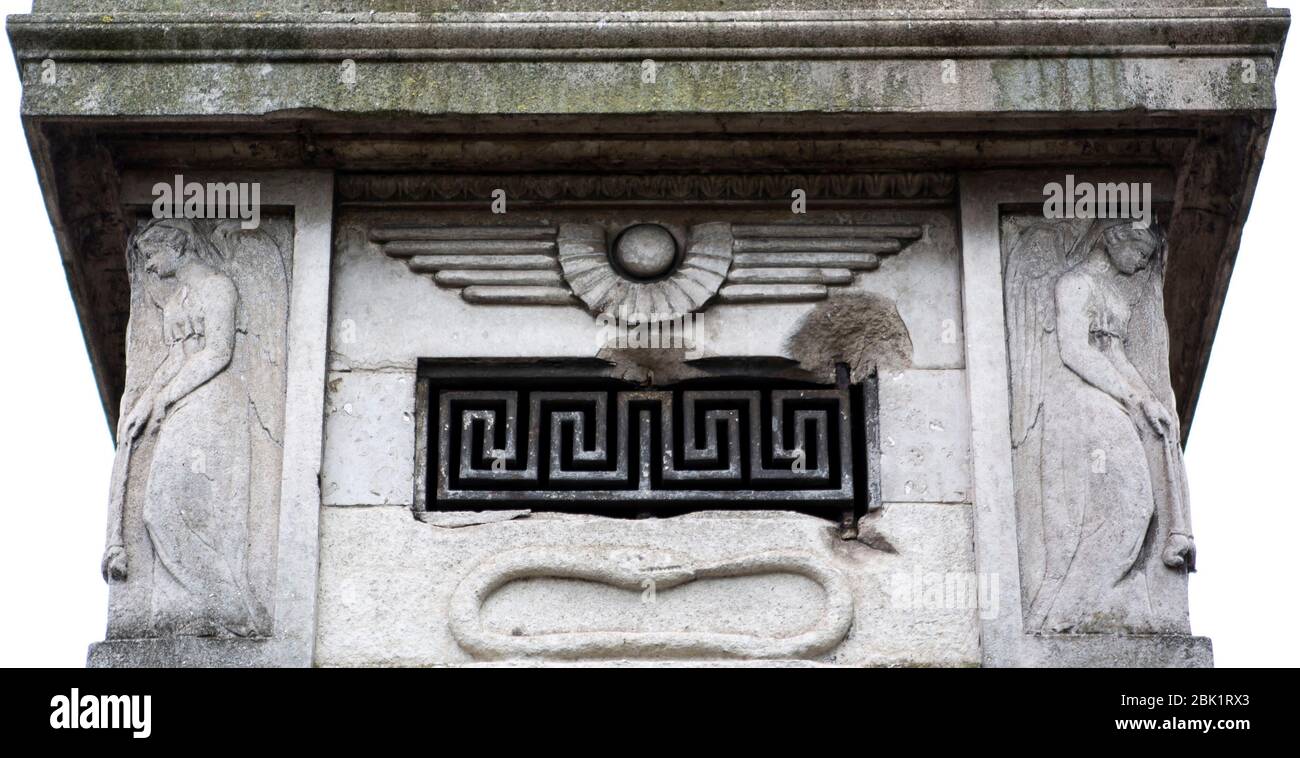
442	708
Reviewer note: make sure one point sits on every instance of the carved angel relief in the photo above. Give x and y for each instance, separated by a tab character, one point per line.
1101	494
194	492
644	271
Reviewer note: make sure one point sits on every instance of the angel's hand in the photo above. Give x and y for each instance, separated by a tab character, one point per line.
1133	405
136	421
159	411
113	567
1180	551
1157	416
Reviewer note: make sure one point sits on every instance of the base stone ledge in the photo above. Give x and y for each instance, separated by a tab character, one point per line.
1115	651
188	652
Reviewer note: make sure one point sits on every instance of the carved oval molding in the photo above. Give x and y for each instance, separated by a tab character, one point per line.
599	565
692	282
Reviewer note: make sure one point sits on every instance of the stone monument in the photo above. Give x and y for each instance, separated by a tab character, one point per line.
815	332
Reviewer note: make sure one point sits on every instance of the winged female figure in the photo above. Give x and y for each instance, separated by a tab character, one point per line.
1101	490
196	409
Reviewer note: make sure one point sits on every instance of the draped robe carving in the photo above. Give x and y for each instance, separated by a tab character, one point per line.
1101	493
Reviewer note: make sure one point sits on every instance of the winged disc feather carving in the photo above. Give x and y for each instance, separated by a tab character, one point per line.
571	264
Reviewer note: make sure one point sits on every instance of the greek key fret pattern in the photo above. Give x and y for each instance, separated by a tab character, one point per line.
716	448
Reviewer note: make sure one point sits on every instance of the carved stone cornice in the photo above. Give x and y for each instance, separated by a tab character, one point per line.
897	61
735	34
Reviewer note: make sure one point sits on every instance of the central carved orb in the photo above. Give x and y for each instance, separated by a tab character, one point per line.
645	251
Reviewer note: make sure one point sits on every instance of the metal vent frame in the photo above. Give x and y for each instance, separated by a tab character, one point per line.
635	451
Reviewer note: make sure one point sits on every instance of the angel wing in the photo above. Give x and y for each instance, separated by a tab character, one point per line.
489	264
1036	261
799	262
258	262
1033	266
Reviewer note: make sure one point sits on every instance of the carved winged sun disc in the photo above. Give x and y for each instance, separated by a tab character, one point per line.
645	271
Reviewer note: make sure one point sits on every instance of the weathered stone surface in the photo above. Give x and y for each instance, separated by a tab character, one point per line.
1102	503
1212	42
184	652
194	502
383	317
666	150
923	607
1116	651
919	287
924	437
384	574
222	526
224	74
997	85
437	6
381	310
369	438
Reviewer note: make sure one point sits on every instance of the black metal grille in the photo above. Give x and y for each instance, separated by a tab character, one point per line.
613	448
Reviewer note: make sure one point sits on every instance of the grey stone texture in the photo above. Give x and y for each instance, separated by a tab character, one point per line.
439	6
385	575
195	494
369	454
566	592
185	652
924	436
279	550
1102	503
942	121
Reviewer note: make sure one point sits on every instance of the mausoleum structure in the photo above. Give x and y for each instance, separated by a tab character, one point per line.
554	331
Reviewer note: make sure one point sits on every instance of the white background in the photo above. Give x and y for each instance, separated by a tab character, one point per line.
56	452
